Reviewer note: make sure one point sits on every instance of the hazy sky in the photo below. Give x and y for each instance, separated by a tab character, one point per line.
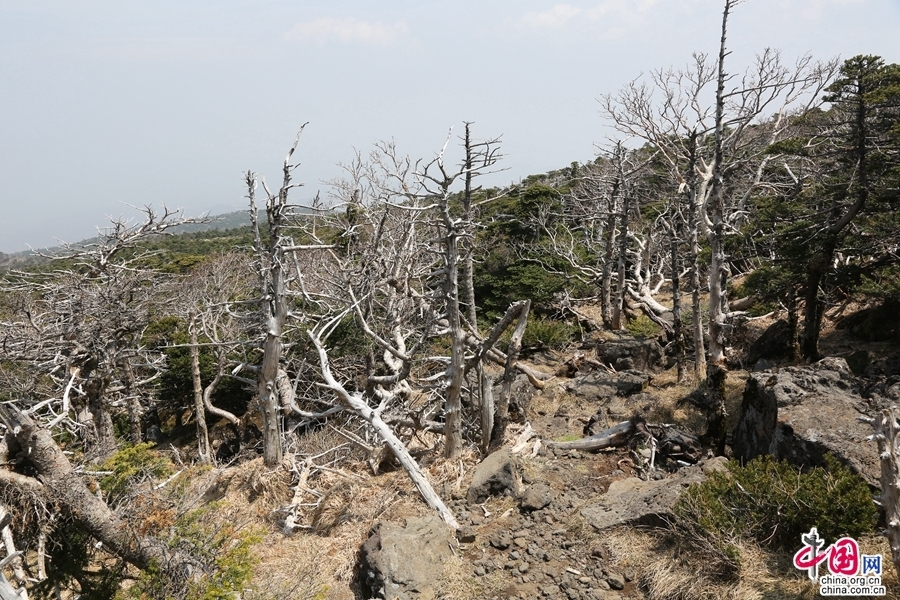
105	103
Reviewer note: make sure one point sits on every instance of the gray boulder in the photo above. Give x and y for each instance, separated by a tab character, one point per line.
633	501
498	474
774	344
799	414
628	352
601	385
536	497
404	562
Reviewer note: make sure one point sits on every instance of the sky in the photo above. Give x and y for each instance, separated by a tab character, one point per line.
110	104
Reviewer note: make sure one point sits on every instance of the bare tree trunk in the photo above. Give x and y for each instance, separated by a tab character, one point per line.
101	440
619	307
693	224
606	277
716	373
455	370
468	271
793	324
718	269
487	408
501	415
818	266
274	313
134	404
887	432
15	557
678	328
199	407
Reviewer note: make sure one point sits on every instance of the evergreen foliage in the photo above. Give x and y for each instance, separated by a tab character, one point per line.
773	503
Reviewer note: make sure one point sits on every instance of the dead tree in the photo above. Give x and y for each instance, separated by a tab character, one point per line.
887	435
53	479
436	179
207	295
273	251
355	403
716	154
78	330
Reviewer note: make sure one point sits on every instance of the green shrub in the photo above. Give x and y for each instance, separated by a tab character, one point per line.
233	566
540	331
223	551
642	327
768	503
129	465
774	503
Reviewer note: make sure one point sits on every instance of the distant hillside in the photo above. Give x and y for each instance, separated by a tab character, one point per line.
232	220
187	235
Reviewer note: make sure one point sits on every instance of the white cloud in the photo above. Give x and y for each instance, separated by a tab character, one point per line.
609	19
554	18
347	30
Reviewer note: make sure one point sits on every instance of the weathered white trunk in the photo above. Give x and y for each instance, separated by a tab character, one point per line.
678	329
455	373
468	270
606	277
716	373
60	483
487	408
205	455
273	312
501	415
718	268
619	306
14	556
693	225
887	433
356	403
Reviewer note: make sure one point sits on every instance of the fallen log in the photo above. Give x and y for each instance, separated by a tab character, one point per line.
663	440
615	436
356	403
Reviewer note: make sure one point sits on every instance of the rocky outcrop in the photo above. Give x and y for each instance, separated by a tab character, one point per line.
601	385
536	497
633	501
874	324
498	474
404	562
801	413
626	353
773	345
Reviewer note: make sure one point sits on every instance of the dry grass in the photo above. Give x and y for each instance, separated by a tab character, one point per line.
320	562
668	572
260	489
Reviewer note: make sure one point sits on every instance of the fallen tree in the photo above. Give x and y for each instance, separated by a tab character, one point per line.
663	440
55	481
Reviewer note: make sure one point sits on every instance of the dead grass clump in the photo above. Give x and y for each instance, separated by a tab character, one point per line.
669	406
295	567
329	446
668	571
351	500
261	489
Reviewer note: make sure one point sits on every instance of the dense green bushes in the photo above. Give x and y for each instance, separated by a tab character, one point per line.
771	503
